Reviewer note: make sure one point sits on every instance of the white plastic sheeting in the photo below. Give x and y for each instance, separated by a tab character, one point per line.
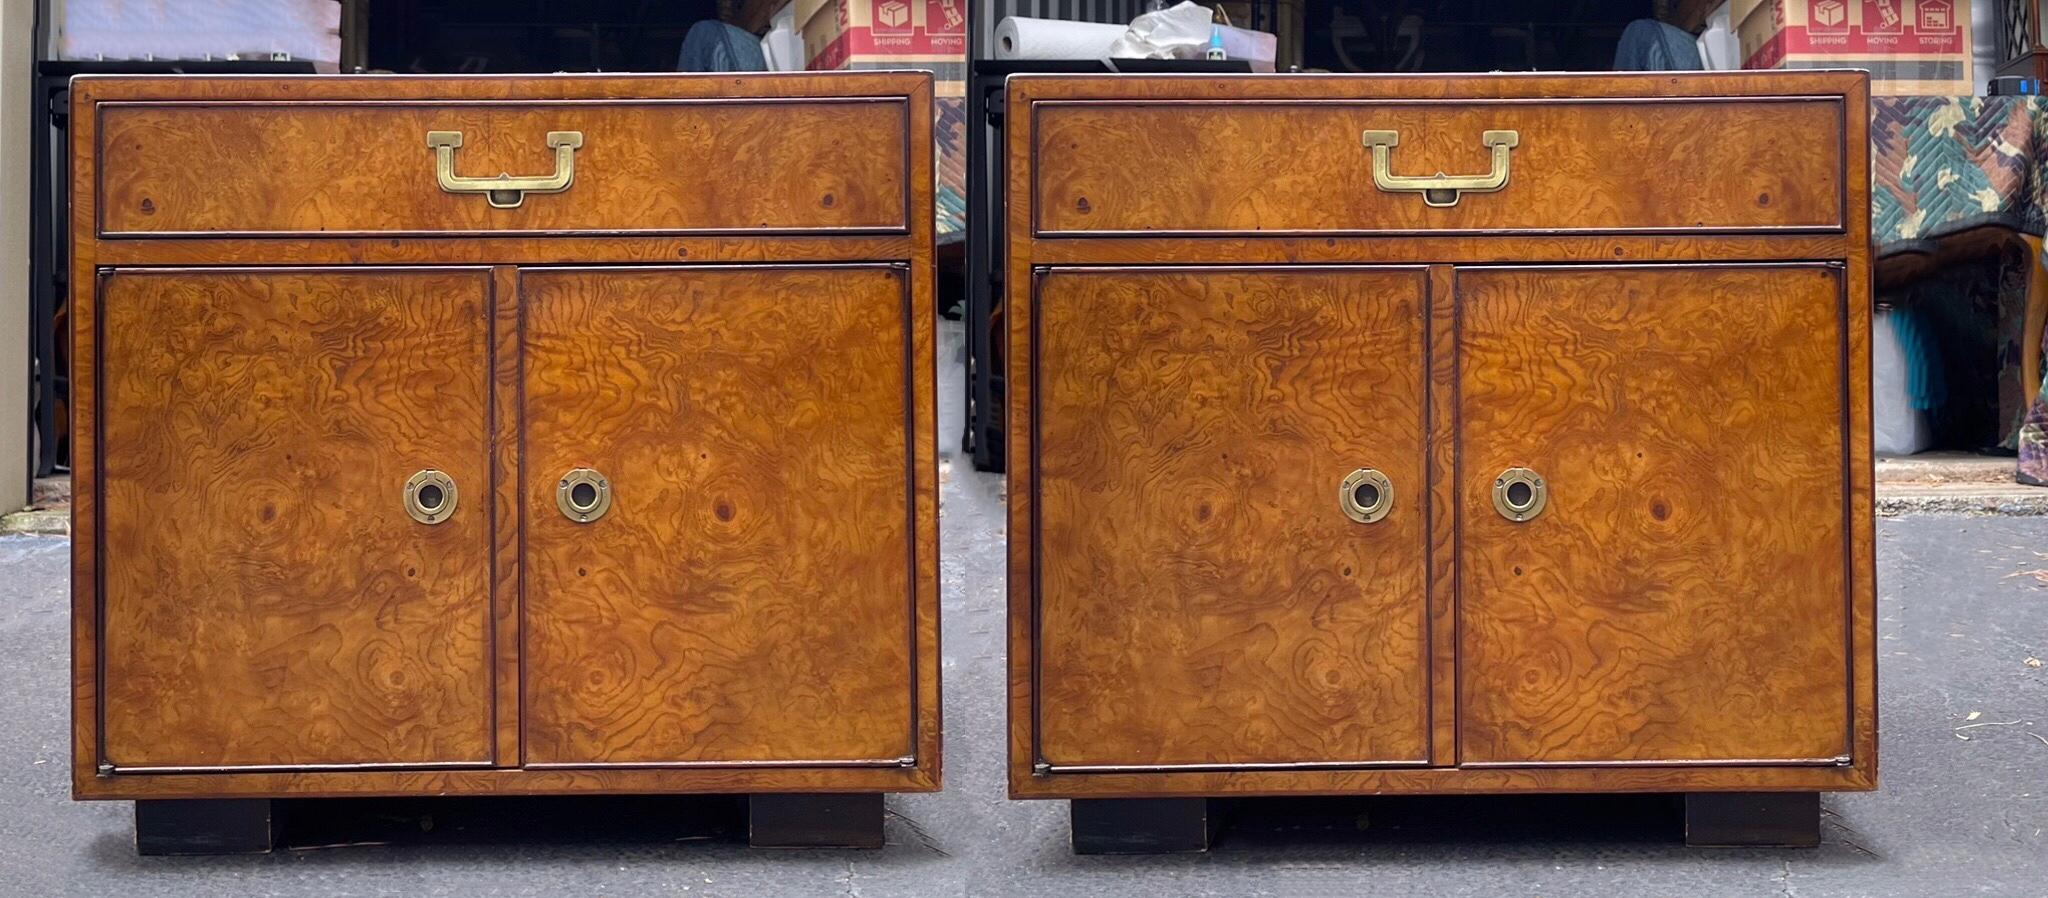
196	29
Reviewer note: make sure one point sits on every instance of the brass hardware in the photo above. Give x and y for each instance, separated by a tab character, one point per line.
430	496
1365	495
505	191
583	495
1519	494
1439	190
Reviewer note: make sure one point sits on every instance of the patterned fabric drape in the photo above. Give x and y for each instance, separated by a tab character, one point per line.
1945	164
950	132
1941	165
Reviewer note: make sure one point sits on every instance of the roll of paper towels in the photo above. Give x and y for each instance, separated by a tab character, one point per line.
1022	38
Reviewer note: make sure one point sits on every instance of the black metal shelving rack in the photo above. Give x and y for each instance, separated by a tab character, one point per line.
50	230
983	441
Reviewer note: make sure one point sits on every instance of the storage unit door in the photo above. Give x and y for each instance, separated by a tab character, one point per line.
272	593
1652	505
1231	517
718	520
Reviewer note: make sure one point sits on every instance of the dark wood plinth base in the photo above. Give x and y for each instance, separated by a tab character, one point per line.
254	826
852	820
1142	825
204	826
1752	819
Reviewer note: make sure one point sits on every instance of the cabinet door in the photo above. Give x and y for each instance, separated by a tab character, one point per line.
266	597
1203	597
1682	593
746	596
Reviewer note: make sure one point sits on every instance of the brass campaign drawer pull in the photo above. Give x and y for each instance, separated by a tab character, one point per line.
1439	190
430	496
505	191
583	495
1365	495
1519	494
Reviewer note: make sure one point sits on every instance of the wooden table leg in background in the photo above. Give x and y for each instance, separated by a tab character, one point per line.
2037	317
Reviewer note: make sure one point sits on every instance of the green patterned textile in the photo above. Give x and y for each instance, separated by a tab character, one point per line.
1944	165
1940	165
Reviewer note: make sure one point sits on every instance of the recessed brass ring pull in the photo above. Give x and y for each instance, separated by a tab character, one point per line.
1519	494
505	191
1365	495
430	496
583	495
1440	190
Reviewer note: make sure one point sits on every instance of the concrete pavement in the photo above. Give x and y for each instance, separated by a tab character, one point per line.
1964	604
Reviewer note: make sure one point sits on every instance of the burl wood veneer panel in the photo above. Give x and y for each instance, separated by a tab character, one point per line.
1203	600
1683	595
361	168
1581	165
748	596
265	599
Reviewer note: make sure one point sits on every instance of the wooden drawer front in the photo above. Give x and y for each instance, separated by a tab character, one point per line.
1682	596
1219	167
365	168
746	599
1204	600
266	599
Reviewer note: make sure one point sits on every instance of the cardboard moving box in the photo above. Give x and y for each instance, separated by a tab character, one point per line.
888	34
1909	46
904	34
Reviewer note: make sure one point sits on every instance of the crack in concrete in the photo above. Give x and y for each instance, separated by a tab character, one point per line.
850	890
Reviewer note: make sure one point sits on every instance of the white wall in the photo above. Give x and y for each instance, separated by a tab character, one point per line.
17	74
